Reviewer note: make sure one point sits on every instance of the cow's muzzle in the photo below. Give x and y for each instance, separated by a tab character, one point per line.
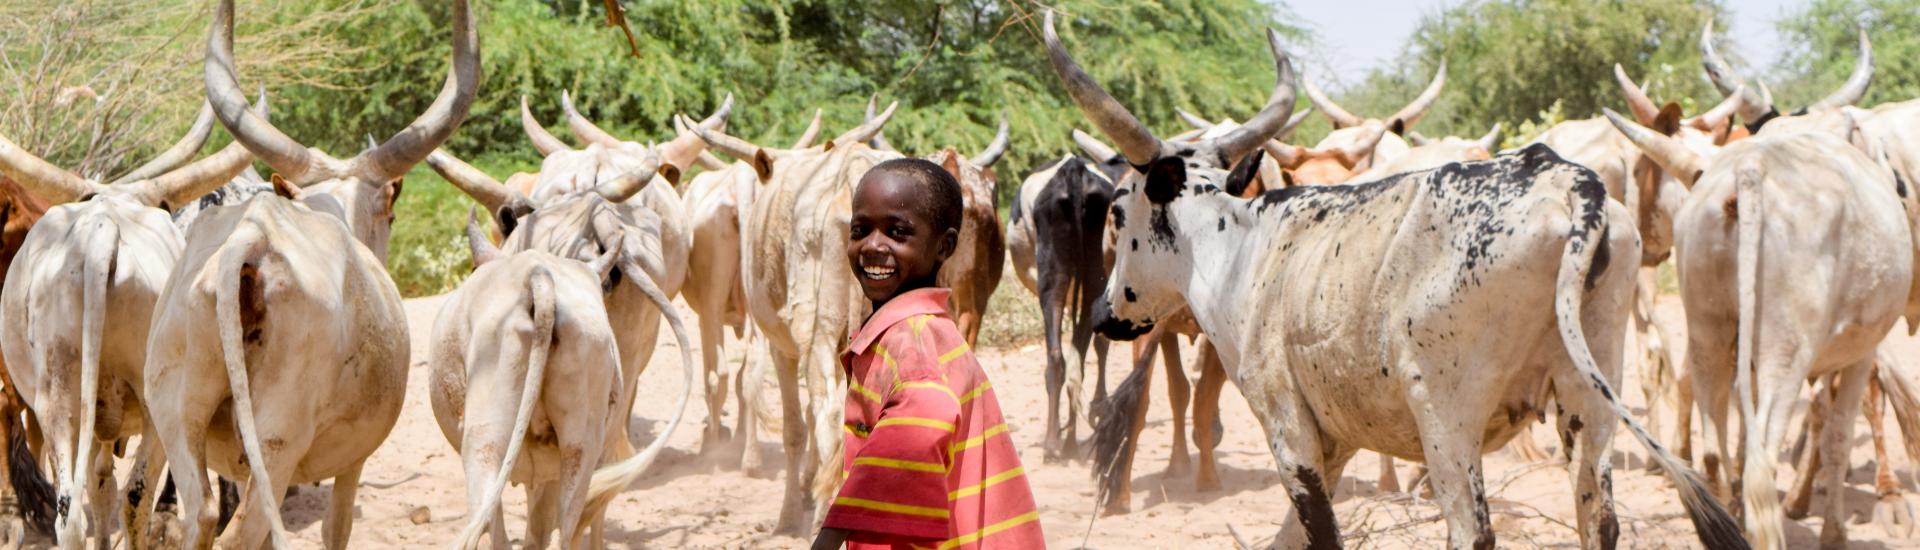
1115	328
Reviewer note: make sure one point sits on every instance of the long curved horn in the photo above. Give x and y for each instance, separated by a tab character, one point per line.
1193	120
1718	116
42	178
1665	151
728	145
1723	77
296	163
1358	149
178	187
869	130
1092	147
1412	112
812	133
489	192
181	151
1637	101
986	157
684	150
1294	123
1271	118
483	249
585	129
879	140
1340	117
621	188
1491	141
1134	139
399	153
543	141
1856	85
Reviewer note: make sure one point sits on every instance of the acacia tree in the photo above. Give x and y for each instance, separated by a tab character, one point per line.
96	86
1509	60
1822	48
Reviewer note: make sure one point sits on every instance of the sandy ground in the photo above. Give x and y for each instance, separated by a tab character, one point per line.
686	502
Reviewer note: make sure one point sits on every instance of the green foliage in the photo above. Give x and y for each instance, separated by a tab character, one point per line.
1509	60
1827	46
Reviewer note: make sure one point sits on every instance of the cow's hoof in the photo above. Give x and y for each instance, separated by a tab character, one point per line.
1894	515
1207	483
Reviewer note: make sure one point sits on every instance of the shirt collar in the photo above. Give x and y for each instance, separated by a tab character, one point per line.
915	302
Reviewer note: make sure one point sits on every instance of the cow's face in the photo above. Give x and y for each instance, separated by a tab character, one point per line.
366	207
1153	254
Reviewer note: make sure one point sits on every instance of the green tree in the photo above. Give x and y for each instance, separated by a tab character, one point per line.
1823	46
1509	60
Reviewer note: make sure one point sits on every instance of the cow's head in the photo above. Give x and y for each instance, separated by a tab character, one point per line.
1350	131
1272	172
762	159
364	187
1660	192
1155	259
1331	163
676	156
1757	106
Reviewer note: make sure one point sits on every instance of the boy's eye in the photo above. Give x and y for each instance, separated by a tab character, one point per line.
860	230
899	232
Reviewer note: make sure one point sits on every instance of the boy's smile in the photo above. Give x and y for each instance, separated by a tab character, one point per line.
895	246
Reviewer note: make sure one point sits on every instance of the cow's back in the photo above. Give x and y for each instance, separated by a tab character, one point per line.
328	330
798	284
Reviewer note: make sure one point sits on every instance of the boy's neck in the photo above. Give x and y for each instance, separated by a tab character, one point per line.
929	281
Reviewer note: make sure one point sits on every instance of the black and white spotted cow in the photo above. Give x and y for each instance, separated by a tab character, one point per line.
1056	234
1418	315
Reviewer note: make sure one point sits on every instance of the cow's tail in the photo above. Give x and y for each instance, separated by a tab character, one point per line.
611	480
97	269
30	486
540	287
1586	247
227	309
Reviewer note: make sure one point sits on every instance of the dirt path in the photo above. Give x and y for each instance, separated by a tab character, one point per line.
685	503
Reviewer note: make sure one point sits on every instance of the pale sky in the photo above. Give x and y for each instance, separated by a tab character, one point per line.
1357	35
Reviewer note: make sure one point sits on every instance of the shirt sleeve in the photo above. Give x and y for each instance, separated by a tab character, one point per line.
897	485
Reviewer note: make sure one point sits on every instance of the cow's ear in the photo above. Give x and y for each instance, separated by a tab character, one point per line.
507	218
1243	173
392	190
1165	178
1286	179
671	173
1668	122
284	189
1398	127
763	163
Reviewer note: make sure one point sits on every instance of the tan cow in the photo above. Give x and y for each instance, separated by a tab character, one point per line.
290	295
1827	265
802	296
78	307
538	323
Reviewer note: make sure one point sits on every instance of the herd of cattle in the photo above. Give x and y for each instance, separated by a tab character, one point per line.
1426	299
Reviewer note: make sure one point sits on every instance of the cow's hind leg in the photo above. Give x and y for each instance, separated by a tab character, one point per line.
793	435
542	513
712	350
184	435
1891	511
1807	450
1851	387
253	527
1206	414
339	523
1052	301
102	495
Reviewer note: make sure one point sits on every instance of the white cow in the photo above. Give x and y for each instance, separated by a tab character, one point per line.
1351	131
288	293
1385	316
77	311
1800	213
525	365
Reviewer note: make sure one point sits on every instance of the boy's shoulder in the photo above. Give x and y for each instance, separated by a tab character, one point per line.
908	314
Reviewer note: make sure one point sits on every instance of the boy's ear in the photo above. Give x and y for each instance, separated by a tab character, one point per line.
949	244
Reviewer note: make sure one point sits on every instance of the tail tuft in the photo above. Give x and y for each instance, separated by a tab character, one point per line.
35	493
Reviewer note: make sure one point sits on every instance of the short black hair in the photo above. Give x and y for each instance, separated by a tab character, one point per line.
943	204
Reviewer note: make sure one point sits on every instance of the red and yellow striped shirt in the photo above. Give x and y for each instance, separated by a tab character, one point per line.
929	460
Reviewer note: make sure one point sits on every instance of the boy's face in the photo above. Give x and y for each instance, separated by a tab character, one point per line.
894	247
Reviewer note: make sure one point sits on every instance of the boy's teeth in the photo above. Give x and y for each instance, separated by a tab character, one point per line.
877	272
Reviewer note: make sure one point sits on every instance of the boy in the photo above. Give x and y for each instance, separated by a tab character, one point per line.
929	462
